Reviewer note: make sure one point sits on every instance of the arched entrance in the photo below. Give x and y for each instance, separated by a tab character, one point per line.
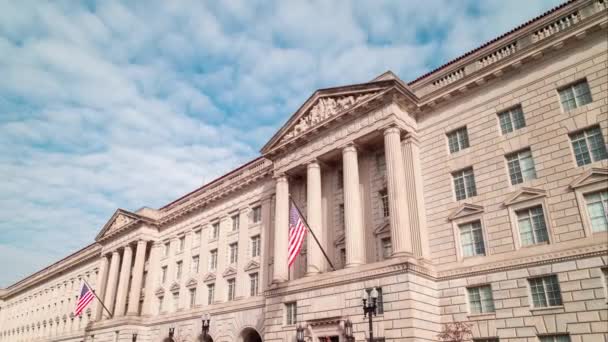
250	335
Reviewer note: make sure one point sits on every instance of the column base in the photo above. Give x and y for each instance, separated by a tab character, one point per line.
313	273
353	264
402	255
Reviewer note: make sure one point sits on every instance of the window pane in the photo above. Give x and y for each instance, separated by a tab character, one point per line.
506	125
518	118
596	144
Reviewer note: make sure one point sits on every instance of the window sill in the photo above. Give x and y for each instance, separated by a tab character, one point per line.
213	240
255	224
548	309
481	316
536	244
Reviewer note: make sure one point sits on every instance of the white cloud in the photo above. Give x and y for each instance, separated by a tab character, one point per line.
119	104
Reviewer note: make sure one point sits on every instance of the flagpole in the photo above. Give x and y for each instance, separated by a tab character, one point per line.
100	301
312	233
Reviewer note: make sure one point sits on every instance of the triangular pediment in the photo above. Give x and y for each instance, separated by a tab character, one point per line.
383	228
464	210
524	194
252	265
209	277
229	272
159	292
174	288
121	220
328	105
191	283
591	176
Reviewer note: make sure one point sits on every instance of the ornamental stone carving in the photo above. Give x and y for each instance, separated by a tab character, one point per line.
324	109
120	221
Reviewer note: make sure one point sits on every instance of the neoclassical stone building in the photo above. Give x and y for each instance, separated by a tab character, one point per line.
477	192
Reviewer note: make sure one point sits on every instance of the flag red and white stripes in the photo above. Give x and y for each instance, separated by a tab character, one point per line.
86	296
297	232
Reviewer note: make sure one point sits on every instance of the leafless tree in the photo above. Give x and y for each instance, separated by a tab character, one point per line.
455	332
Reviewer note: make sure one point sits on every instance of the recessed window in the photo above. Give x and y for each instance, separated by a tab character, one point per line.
196	240
604	274
480	299
231	289
341	214
210	293
575	95
257	214
597	208
521	166
234	252
291	313
471	239
343	256
387	247
235	222
511	120
532	226
464	184
215	230
555	338
255	246
160	304
167	245
195	264
384	201
588	146
181	244
254	281
458	140
178	270
163	274
192	297
545	291
213	260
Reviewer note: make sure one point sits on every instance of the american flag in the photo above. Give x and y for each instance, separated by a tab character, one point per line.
297	232
86	296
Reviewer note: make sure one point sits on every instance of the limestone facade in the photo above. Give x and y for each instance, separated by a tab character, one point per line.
476	193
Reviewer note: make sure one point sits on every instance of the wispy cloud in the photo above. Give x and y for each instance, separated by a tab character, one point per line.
107	104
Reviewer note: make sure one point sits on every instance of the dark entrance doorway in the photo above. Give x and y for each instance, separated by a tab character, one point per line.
250	335
329	339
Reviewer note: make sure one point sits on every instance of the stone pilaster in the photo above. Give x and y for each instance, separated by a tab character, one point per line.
314	218
397	197
355	235
138	275
152	279
281	230
100	290
415	196
110	294
123	281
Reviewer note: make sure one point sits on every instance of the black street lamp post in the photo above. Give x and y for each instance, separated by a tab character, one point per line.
369	309
170	337
300	333
134	339
348	330
205	319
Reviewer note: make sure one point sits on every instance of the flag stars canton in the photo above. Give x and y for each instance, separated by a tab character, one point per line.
86	297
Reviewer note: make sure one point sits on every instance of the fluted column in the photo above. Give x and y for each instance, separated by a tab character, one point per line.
110	294
123	281
152	281
281	230
411	157
102	278
397	197
355	234
138	275
314	217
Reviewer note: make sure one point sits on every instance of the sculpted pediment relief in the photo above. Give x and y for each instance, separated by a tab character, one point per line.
121	220
591	176
466	209
252	265
524	194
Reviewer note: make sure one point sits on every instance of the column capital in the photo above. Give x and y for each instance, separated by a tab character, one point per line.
280	177
350	147
392	129
410	138
313	163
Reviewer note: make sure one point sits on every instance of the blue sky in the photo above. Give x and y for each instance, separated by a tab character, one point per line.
107	104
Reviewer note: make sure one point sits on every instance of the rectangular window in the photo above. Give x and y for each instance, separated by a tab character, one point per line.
458	139
213	260
575	95
471	239
166	248
231	289
605	275
291	313
215	230
210	293
182	244
343	256
178	270
192	297
341	213
340	179
235	222
532	226
597	209
255	246
379	300
384	201
480	299
254	284
464	184
588	146
195	262
387	248
257	214
160	304
176	301
234	252
521	166
511	120
163	274
555	338
545	291
196	240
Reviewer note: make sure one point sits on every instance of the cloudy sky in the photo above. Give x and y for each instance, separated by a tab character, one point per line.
106	104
